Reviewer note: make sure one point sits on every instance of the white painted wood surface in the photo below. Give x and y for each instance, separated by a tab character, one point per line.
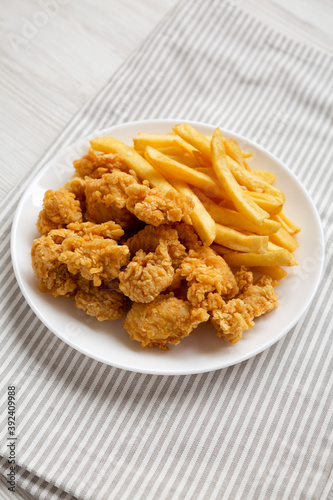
56	54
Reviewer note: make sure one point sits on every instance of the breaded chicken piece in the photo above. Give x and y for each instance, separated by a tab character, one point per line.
52	275
106	199
59	209
206	272
93	257
77	186
107	229
95	164
150	237
147	275
164	321
187	235
236	315
156	207
102	302
244	278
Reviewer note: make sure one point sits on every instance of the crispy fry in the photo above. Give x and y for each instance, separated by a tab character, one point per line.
270	258
244	204
286	223
174	169
231	238
202	159
160	141
132	158
265	175
232	218
275	272
284	239
201	220
187	160
233	150
220	249
266	202
193	137
252	181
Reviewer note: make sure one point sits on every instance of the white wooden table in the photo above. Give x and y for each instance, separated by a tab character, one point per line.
56	54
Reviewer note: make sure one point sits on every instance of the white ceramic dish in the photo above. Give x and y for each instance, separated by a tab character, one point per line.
202	351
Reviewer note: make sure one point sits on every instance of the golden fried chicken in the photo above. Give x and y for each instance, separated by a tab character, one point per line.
95	164
148	238
165	320
107	229
77	186
52	275
147	275
106	199
206	272
156	207
93	257
187	235
236	315
103	302
244	278
59	209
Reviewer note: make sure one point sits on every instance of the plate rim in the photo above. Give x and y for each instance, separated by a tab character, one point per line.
163	372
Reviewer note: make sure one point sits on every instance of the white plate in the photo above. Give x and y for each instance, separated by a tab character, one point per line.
202	351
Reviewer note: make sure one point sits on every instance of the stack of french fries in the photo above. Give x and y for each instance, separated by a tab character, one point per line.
237	210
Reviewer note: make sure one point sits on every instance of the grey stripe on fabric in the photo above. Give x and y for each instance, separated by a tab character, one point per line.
261	429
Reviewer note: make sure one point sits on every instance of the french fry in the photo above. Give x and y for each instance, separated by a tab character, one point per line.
201	220
187	160
175	150
243	203
231	238
220	249
266	201
233	150
132	159
174	169
286	223
273	246
265	175
245	154
284	239
252	181
280	257
202	159
275	272
193	137
160	141
228	217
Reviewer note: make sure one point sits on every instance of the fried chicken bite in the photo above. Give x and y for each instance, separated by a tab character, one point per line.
59	209
147	275
206	272
244	278
103	302
156	207
77	186
187	235
52	275
96	164
107	229
150	237
106	199
164	321
93	257
236	315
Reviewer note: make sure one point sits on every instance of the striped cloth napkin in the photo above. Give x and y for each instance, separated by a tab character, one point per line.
259	430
